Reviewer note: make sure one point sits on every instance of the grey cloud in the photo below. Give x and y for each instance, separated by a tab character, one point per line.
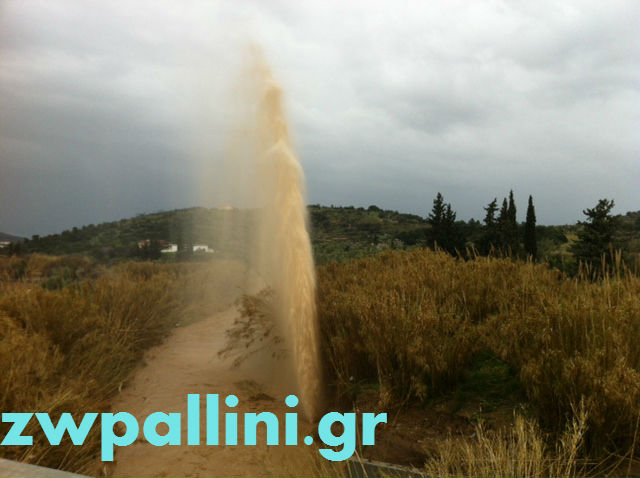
110	109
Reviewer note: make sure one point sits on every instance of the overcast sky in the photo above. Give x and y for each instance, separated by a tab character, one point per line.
108	109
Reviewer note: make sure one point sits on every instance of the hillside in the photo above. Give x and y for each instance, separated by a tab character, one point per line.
337	233
4	237
346	232
119	239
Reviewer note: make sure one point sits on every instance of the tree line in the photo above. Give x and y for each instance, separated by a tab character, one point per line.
501	234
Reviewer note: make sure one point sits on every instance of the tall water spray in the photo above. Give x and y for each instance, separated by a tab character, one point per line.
262	172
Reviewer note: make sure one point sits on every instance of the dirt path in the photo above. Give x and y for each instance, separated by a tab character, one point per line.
186	363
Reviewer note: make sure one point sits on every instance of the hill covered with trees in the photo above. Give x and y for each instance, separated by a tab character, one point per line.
4	237
339	233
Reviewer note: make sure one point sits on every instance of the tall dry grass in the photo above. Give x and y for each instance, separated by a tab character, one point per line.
410	321
521	451
71	349
573	340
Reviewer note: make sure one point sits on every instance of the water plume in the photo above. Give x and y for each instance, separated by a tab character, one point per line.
284	248
268	175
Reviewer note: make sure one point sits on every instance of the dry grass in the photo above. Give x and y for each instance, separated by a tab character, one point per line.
522	451
411	318
411	321
71	349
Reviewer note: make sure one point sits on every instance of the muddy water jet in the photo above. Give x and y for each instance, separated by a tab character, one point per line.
284	249
264	173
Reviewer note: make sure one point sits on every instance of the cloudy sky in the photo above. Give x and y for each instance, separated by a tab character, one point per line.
109	109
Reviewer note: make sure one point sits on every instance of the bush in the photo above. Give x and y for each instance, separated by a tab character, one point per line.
410	321
522	451
72	349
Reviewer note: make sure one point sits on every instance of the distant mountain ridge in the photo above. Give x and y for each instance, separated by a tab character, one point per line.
337	233
4	237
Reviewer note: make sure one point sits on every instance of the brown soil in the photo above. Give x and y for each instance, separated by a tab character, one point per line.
413	431
188	362
410	432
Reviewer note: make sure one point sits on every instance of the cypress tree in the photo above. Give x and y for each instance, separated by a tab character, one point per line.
451	240
530	241
449	217
512	208
513	241
444	230
490	235
502	229
504	212
437	211
436	217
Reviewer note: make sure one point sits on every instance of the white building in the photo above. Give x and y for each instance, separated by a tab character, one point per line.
196	248
202	248
170	248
